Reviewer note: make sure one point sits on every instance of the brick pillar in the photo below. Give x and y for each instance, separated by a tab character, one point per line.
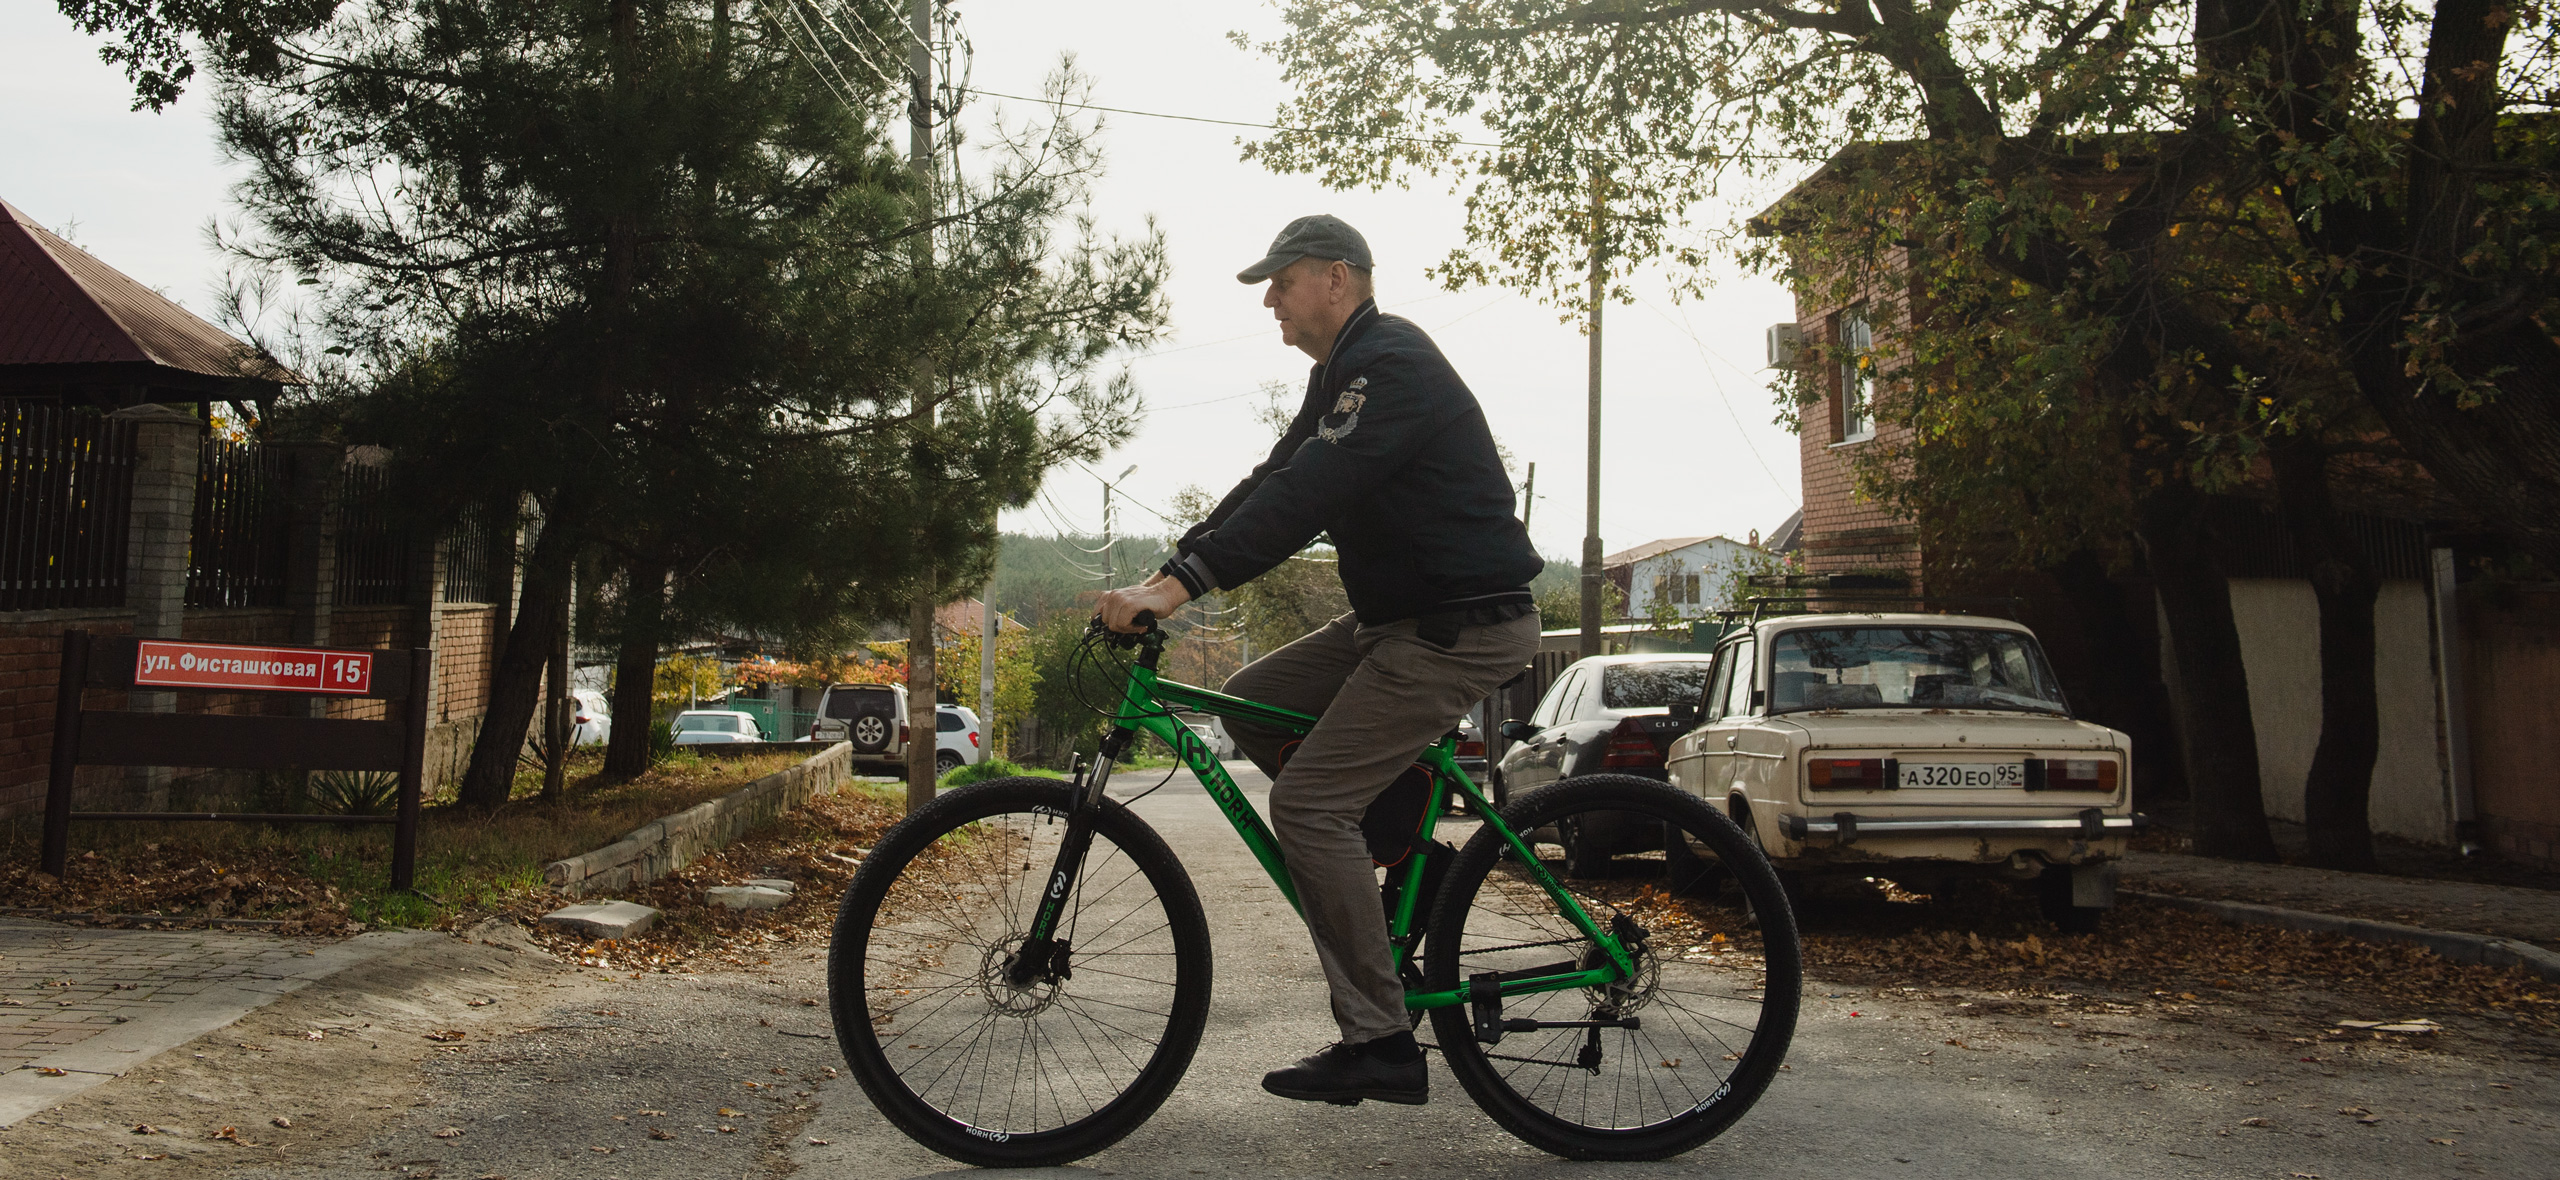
311	547
426	607
168	443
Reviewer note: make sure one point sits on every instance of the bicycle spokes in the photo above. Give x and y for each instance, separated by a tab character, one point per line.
1007	1032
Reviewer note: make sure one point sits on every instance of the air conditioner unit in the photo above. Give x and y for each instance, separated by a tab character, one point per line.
1784	339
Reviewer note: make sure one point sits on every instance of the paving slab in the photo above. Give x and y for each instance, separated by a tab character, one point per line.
2501	911
608	919
744	897
81	1005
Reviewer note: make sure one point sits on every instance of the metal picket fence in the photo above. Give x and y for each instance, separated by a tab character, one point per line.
66	485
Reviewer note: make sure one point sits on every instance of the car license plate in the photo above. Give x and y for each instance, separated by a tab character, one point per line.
1975	775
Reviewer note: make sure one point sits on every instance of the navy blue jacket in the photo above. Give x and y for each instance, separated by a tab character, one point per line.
1391	455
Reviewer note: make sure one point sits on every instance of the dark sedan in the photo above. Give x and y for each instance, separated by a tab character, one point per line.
1608	714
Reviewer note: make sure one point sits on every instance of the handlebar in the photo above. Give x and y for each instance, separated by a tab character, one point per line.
1146	621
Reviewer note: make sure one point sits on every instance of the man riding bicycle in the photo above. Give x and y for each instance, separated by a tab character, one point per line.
1390	455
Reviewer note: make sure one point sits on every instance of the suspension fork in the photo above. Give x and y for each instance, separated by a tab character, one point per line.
1043	955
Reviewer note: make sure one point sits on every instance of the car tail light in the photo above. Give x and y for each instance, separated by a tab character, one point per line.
1850	774
1631	745
902	733
2071	774
582	719
813	731
973	739
1471	749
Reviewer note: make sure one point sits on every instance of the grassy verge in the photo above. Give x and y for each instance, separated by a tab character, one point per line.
319	878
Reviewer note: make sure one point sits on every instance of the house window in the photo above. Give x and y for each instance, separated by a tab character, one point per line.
1857	375
1676	588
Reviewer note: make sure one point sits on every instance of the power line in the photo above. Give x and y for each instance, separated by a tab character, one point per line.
1372	135
1741	434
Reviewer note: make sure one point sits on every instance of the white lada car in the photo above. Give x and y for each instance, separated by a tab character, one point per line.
1912	747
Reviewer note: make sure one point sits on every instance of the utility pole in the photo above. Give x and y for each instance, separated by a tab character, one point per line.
1110	556
987	636
1591	574
1529	495
921	741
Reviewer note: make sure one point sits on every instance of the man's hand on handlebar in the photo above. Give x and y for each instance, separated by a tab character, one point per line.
1159	596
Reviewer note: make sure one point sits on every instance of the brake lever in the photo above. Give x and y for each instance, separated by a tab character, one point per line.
1146	622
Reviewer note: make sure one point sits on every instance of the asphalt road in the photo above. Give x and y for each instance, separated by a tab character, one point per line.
573	1073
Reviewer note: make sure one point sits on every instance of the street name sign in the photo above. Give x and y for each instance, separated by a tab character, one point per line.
168	664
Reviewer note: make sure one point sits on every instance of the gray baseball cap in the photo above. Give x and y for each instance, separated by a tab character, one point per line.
1320	235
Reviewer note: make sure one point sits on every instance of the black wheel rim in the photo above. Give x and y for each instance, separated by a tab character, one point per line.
955	1029
1701	997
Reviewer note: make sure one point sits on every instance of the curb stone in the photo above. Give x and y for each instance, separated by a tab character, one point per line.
2483	949
664	845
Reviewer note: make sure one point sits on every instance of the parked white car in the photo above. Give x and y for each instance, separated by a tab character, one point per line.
712	727
1915	747
957	741
591	719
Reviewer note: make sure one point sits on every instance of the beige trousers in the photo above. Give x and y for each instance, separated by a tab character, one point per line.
1382	694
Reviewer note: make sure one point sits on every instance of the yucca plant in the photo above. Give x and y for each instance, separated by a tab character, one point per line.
355	792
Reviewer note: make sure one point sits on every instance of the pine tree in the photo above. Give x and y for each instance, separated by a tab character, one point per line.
641	267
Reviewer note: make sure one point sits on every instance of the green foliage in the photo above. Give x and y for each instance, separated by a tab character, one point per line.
1291	599
1038	576
992	768
151	39
1560	599
1068	724
643	270
684	678
1736	589
355	792
2145	238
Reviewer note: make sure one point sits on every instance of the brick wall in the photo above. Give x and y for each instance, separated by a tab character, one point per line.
31	656
465	655
1841	531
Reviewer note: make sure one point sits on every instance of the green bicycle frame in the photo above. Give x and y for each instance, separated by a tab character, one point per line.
1146	707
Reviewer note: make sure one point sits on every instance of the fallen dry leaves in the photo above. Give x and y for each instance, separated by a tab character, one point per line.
182	884
2171	954
819	846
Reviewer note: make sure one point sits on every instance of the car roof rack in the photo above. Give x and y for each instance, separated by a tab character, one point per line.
1861	601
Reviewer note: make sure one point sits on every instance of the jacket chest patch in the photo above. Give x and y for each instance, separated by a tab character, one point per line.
1345	417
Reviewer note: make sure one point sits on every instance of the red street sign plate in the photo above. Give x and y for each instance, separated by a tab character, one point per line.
173	664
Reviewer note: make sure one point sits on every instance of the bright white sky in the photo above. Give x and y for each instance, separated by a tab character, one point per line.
1688	445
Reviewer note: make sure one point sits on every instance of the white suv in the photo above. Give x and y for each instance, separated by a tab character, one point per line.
957	741
1915	747
871	716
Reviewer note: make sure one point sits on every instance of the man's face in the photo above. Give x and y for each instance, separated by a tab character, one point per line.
1301	297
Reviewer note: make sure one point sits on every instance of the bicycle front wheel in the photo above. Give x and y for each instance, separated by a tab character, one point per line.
952	1051
1658	1063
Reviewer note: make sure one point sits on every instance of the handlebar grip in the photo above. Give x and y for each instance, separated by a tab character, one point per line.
1145	619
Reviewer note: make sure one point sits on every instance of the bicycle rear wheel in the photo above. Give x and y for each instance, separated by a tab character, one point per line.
1643	1069
947	1047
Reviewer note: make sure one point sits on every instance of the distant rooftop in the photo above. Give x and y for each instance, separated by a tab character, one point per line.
92	324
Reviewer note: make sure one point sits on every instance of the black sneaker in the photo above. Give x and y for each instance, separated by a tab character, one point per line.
1345	1074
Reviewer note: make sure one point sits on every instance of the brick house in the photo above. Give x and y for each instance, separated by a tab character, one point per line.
2461	762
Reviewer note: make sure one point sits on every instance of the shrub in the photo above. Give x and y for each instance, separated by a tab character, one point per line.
992	768
355	792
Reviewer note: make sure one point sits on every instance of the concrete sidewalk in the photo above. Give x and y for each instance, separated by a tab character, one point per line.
81	1005
2499	911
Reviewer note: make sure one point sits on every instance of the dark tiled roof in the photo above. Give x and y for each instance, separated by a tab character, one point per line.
59	305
